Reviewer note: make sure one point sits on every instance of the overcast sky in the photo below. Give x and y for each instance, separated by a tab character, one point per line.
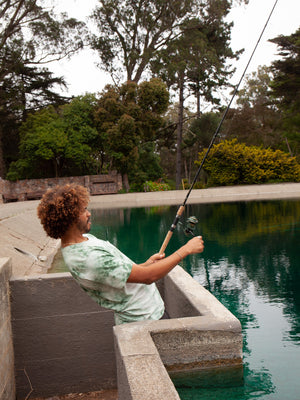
83	76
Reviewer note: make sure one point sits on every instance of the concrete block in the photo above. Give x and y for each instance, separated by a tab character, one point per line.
141	374
63	340
49	294
150	383
7	379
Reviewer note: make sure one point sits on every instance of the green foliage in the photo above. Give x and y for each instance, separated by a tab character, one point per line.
286	87
129	119
46	36
148	167
156	186
54	142
153	96
202	129
256	121
31	35
187	185
131	33
233	163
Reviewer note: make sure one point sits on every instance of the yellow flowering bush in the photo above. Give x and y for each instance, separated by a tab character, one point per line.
233	163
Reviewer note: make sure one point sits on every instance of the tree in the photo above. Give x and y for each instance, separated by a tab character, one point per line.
57	142
197	137
30	37
200	52
132	32
257	120
45	36
286	86
128	118
25	89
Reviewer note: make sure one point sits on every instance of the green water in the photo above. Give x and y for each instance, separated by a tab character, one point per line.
251	263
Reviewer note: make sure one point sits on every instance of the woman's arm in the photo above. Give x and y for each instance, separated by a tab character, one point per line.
157	266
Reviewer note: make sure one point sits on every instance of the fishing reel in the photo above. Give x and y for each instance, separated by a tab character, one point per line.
190	226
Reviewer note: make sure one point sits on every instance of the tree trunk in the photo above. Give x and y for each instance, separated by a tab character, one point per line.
2	163
55	167
179	134
125	182
186	170
198	103
288	146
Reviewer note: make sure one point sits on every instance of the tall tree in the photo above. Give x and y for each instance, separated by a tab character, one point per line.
132	31
197	60
31	35
22	91
46	36
129	118
286	86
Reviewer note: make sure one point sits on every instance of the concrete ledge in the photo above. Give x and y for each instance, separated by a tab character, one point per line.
210	195
151	352
24	231
7	377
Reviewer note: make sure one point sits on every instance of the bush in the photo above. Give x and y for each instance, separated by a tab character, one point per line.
233	163
151	186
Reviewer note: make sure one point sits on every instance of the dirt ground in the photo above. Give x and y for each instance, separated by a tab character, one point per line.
99	395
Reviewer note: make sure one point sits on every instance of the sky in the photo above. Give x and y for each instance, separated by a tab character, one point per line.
82	75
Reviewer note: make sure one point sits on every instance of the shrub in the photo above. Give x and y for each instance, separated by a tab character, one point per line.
233	163
151	186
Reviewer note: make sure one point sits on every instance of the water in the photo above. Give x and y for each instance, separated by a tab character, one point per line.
251	263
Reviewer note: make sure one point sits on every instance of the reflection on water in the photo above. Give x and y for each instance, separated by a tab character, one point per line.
220	377
251	263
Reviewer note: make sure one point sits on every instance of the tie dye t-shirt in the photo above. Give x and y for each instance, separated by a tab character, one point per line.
102	271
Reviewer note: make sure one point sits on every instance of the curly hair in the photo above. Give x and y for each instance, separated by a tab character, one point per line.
60	207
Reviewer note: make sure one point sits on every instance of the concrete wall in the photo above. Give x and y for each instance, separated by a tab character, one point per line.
7	379
63	340
30	189
65	343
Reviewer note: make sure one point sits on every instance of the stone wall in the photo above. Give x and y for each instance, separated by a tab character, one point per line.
7	379
32	189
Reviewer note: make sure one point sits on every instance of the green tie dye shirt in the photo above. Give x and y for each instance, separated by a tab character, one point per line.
102	271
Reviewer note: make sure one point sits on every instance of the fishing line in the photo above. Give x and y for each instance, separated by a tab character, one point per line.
181	208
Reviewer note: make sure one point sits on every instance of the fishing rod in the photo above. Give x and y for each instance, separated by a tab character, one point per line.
182	207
